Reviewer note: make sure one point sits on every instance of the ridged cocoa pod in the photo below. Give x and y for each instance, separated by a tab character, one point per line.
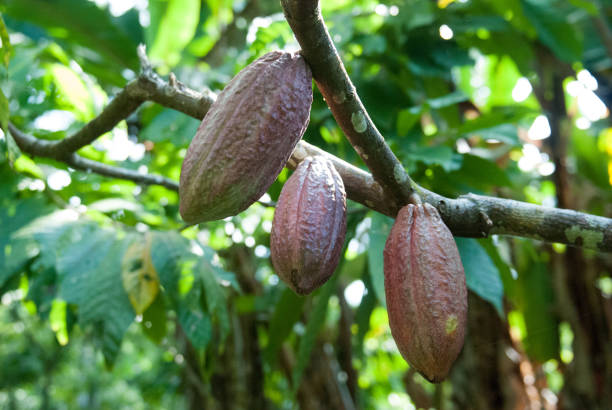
246	137
425	290
309	225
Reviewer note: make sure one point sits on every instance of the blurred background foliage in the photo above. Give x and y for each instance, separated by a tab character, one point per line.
107	302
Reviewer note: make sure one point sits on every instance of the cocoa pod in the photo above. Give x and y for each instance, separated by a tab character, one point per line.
246	138
425	291
309	225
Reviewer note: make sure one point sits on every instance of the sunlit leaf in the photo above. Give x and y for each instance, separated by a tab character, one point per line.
57	320
6	49
73	92
176	28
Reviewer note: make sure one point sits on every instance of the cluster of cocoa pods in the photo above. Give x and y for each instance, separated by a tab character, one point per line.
242	144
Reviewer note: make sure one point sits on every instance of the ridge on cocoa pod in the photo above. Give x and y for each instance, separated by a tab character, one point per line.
246	138
309	225
425	290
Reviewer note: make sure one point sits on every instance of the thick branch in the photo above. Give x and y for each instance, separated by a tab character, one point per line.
469	215
307	24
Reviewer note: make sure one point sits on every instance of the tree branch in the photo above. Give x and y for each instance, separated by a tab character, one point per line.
25	141
469	215
305	19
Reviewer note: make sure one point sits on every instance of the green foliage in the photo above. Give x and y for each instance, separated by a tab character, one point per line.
482	276
448	107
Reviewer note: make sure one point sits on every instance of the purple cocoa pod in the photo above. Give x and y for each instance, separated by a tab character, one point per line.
246	138
309	225
425	291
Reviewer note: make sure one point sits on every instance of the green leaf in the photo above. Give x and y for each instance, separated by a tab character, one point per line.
406	119
379	231
16	250
437	155
154	321
4	112
210	273
81	23
176	29
477	173
89	268
315	323
587	5
171	125
542	339
6	49
168	251
447	100
481	274
498	116
534	296
72	92
194	321
554	29
286	314
13	151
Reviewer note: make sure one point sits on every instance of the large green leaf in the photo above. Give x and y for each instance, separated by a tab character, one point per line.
89	268
481	274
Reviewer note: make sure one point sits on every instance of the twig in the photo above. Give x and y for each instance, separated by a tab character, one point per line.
25	142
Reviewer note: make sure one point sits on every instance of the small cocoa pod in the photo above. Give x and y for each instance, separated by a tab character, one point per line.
246	137
425	291
309	225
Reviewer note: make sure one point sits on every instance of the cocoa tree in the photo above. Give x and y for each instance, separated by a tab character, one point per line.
109	246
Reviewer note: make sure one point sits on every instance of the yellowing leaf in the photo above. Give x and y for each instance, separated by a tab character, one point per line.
139	277
444	3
